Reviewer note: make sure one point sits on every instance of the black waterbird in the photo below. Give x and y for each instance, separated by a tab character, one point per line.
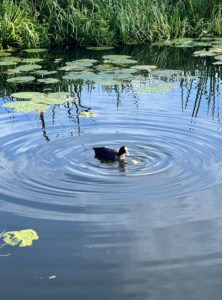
109	154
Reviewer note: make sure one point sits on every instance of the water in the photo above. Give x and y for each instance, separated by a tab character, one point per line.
148	228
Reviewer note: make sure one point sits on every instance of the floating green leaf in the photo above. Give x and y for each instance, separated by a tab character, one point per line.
103	67
218	57
36	50
59	94
22	238
48	80
116	57
78	63
81	76
8	63
26	106
203	53
99	48
13	72
72	67
21	79
44	72
2	53
27	95
28	68
88	114
32	60
217	63
145	67
162	87
55	100
89	60
121	62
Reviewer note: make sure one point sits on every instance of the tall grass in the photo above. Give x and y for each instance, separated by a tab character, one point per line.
106	22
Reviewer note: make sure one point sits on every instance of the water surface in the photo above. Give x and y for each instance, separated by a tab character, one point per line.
144	230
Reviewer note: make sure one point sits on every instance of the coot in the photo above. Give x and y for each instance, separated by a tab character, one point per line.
108	154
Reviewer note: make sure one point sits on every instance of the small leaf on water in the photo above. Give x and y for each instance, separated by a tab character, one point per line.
26	106
162	87
99	48
88	114
22	238
48	80
44	72
144	67
28	68
32	60
8	63
36	50
21	79
27	95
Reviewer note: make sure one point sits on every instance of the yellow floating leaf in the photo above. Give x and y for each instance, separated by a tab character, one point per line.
22	238
88	113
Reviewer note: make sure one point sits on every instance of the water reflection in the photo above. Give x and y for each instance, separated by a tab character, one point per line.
145	230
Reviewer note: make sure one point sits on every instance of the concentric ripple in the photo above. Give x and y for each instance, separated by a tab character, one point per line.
62	179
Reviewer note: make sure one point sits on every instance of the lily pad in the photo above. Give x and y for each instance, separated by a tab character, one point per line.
48	80
217	63
145	67
78	63
26	106
22	238
203	53
2	53
21	79
44	72
59	94
162	87
10	58
216	50
13	72
218	57
116	57
36	50
8	63
81	76
32	60
101	48
103	67
89	60
121	62
88	114
27	95
28	68
54	100
72	68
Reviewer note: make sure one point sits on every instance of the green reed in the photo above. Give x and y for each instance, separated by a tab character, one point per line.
106	22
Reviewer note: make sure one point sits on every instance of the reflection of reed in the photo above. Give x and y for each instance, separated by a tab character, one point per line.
44	133
207	87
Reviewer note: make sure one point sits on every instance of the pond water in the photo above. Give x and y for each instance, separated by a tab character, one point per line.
147	228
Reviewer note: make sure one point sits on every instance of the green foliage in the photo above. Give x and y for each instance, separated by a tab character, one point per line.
18	25
105	22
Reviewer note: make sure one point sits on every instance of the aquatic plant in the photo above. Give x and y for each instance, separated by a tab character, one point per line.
22	238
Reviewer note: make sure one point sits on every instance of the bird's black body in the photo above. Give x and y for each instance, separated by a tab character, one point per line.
109	154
